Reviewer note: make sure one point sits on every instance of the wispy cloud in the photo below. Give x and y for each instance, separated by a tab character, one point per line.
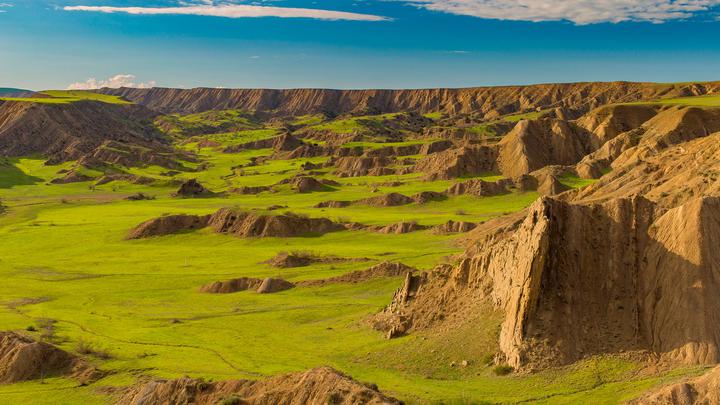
234	11
117	81
4	5
577	11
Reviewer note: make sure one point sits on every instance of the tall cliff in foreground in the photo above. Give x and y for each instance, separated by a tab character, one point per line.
488	101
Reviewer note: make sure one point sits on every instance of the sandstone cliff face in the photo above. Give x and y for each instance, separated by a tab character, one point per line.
575	280
607	122
322	385
487	100
63	132
534	144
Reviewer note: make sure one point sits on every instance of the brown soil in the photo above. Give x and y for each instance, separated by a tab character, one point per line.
322	385
245	225
307	184
64	132
352	166
479	188
534	144
300	259
435	147
192	188
250	190
273	285
232	286
454	227
332	204
23	359
388	200
703	390
130	178
167	225
427	196
399	228
385	269
453	163
607	122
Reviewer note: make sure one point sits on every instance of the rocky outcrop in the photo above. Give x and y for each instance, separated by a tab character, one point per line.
479	187
670	177
322	385
607	122
192	188
424	197
399	228
580	97
454	227
308	184
232	286
703	390
273	285
167	225
332	204
352	166
574	280
534	144
246	225
384	269
459	162
23	359
435	147
388	200
285	260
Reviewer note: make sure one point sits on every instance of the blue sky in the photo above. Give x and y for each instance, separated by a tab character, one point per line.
355	44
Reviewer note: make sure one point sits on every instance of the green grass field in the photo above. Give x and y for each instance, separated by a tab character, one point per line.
64	258
68	96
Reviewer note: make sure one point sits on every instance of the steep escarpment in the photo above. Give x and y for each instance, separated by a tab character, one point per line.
578	279
63	132
490	101
322	385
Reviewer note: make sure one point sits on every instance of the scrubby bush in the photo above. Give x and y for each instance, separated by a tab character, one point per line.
502	369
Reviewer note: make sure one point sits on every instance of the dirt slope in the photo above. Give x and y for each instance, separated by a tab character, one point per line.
703	390
244	224
63	132
490	101
322	385
22	359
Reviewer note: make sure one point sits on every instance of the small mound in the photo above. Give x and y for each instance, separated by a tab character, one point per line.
139	197
399	228
322	385
247	225
307	184
273	285
388	200
479	188
696	391
454	227
130	178
452	163
427	196
355	166
332	204
24	359
167	225
192	188
286	260
250	190
232	286
385	269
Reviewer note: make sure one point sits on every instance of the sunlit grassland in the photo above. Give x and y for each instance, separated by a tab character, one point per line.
63	244
695	101
68	96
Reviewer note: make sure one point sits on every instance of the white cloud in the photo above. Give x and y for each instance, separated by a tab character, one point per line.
114	82
234	11
577	11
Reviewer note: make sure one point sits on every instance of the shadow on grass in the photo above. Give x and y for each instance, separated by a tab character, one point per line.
11	176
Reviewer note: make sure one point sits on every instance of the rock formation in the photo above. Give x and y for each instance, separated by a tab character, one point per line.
245	225
167	225
322	385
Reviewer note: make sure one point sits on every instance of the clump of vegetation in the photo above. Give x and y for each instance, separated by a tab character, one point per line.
91	349
502	369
